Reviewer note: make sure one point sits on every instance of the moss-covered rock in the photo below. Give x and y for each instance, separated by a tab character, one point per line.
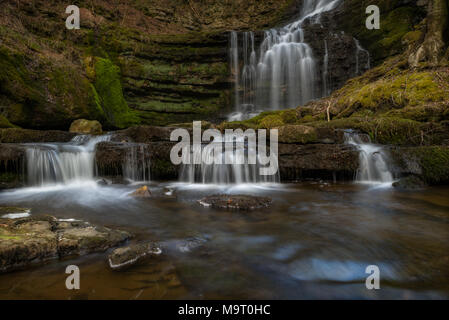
84	126
4	123
430	163
108	86
297	134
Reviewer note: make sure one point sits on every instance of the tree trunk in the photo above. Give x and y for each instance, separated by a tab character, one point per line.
433	46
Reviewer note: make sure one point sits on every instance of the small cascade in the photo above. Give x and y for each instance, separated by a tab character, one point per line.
373	161
240	171
136	167
360	51
62	162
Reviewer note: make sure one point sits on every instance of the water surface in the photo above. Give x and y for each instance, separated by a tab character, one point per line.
313	243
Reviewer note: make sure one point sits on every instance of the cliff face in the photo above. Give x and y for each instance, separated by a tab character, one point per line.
161	61
131	62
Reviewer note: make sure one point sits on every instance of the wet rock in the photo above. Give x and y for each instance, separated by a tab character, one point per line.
26	241
235	202
16	135
83	126
318	161
409	183
143	192
169	192
14	212
190	244
124	257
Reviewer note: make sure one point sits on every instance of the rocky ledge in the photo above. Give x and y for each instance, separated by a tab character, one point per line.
30	240
235	202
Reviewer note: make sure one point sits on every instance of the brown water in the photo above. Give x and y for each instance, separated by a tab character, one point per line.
313	243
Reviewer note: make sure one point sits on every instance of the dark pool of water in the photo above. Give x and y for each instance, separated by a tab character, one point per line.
313	243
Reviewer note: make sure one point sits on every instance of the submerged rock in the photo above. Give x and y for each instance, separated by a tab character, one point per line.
125	257
86	127
143	192
26	241
190	244
235	202
409	183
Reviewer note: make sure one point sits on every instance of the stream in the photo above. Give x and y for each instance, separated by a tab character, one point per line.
313	243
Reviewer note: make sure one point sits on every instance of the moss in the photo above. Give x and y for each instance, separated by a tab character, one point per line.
396	20
4	123
271	121
384	130
434	162
297	134
110	94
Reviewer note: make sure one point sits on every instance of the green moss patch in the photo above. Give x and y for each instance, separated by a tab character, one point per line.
110	94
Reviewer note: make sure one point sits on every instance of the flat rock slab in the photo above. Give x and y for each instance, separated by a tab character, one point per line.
236	202
25	241
124	257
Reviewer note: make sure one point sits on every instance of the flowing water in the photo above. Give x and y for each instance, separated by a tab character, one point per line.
62	162
373	160
225	168
314	242
283	74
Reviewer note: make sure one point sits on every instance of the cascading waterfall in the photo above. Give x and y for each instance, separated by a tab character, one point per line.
373	161
285	74
74	162
63	162
240	171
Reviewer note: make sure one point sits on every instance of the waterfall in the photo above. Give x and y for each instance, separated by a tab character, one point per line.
62	162
136	167
360	50
240	171
285	73
373	161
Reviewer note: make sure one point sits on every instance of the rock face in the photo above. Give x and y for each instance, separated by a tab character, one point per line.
125	257
155	62
326	161
236	202
83	126
32	240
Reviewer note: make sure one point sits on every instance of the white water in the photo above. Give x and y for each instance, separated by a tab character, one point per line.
239	172
62	163
73	163
285	74
136	167
373	161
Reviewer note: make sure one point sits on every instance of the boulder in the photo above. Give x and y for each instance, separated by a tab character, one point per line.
83	126
143	192
30	240
124	257
235	202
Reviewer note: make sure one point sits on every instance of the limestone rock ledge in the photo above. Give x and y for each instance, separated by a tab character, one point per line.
27	241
